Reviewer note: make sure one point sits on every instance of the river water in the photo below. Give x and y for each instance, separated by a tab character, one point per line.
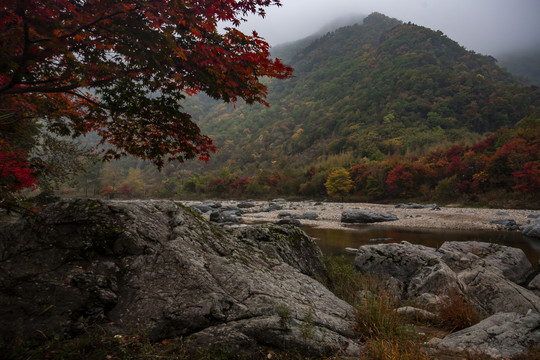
334	241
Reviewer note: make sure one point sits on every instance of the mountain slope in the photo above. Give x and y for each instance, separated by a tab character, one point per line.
371	90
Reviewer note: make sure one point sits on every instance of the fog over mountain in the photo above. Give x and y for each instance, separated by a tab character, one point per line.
490	27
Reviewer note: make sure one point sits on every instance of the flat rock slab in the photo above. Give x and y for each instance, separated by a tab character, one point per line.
357	216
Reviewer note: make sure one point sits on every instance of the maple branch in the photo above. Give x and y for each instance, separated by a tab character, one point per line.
76	31
24	56
86	98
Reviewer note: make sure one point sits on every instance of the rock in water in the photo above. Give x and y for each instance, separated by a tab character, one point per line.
160	269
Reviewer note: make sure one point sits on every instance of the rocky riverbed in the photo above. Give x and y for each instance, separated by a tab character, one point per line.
430	216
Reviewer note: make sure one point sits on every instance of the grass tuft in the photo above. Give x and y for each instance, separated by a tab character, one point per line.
456	312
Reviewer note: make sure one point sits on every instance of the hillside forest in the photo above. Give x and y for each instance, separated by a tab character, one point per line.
377	111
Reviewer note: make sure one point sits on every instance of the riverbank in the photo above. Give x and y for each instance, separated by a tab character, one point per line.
329	215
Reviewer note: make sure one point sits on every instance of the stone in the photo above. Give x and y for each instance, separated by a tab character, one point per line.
227	216
273	206
501	336
417	206
534	285
358	216
381	239
211	203
491	292
155	268
284	214
532	229
512	262
201	208
306	216
416	312
506	224
400	260
289	221
246	204
487	273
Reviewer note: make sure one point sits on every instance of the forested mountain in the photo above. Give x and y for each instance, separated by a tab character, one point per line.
373	90
406	111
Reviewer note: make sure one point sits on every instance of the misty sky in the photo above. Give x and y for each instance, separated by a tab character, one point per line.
485	26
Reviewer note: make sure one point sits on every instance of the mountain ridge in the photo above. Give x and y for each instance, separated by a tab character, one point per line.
373	89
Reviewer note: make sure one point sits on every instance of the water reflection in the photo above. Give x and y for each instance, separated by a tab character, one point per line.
333	241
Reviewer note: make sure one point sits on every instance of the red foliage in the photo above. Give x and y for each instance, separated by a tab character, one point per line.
272	181
527	179
240	185
126	190
359	174
120	68
485	145
400	179
108	191
14	172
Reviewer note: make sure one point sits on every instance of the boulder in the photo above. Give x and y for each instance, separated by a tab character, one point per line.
246	204
357	216
401	260
491	292
201	208
500	336
155	268
532	229
306	216
272	206
512	262
288	221
488	274
226	216
211	203
506	224
284	214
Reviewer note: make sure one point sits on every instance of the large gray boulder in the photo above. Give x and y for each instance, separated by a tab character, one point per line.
532	229
161	270
401	260
488	274
357	216
512	262
500	336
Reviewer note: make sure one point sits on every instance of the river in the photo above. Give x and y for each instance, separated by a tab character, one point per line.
334	241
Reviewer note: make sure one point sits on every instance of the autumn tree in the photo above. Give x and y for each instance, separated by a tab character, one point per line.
121	68
339	183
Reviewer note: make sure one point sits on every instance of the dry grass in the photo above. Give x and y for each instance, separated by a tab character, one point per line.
456	312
